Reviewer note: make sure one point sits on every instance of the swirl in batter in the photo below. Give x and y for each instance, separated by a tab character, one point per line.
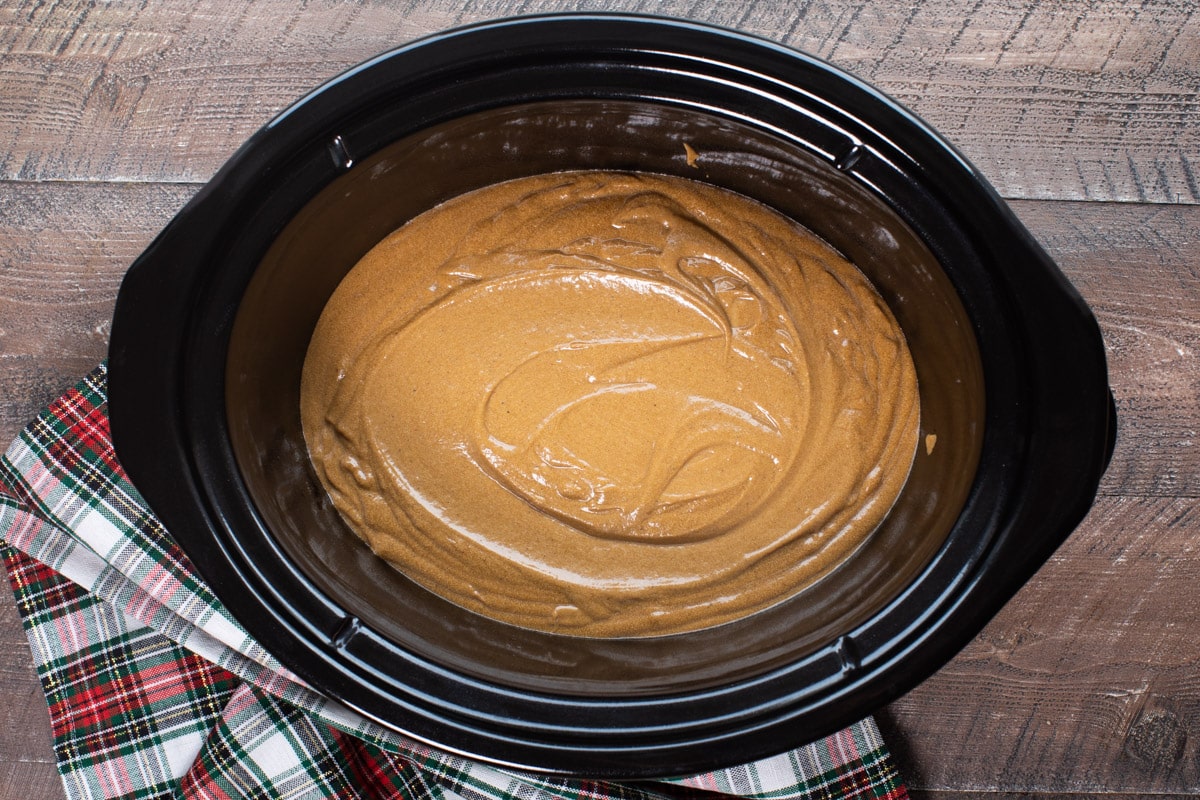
609	404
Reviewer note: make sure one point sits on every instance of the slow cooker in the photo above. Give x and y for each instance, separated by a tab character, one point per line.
213	320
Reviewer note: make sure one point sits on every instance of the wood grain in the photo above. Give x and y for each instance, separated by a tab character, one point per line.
63	251
26	779
1138	267
1088	681
1066	100
66	250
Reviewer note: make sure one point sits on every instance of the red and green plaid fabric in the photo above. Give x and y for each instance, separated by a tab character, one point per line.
155	690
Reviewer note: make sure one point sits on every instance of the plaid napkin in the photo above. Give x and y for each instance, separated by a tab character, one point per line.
156	691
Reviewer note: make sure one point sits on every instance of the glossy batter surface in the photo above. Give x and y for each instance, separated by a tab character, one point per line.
609	404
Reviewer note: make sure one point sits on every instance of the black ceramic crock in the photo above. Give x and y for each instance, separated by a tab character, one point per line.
213	320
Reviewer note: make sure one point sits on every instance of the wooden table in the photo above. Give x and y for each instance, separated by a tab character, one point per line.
1085	114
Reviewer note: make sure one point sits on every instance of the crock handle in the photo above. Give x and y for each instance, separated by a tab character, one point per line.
1112	430
149	327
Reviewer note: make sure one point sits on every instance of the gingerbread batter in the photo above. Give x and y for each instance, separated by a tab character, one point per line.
609	404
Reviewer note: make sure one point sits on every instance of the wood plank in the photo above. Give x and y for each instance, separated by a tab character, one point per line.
1088	681
1138	267
1078	100
30	779
64	249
